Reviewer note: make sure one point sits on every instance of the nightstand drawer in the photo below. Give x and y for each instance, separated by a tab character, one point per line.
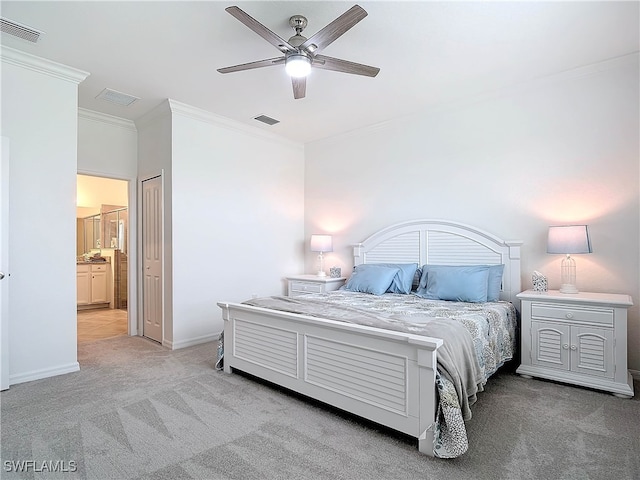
306	287
603	316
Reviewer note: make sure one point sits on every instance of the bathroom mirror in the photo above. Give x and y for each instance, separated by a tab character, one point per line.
92	237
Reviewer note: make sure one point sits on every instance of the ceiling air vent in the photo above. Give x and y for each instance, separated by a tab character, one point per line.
119	98
267	120
21	31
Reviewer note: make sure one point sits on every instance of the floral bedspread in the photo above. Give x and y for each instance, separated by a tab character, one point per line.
492	327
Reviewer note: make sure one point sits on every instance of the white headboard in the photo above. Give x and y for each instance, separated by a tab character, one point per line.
441	242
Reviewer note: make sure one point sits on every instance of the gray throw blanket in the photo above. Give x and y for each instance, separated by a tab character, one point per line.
457	360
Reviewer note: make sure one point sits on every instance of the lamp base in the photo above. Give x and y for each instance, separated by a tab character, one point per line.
568	288
321	274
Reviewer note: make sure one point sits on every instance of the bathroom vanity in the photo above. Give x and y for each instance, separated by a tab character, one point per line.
94	284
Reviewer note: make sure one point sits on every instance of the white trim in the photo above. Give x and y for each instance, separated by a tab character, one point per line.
108	119
44	373
191	341
42	65
540	82
159	110
185	110
4	264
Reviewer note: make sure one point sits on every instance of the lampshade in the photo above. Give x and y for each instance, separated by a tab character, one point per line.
298	65
569	239
321	243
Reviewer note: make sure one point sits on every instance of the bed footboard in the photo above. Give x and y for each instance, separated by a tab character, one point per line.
384	376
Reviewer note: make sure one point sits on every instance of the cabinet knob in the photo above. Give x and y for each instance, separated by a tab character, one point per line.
565	346
568	315
573	347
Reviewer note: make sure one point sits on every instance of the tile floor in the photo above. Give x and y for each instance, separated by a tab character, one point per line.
101	323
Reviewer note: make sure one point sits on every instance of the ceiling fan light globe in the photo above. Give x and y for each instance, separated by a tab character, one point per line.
298	66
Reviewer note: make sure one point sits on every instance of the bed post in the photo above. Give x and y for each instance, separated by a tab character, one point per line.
514	270
228	335
427	362
357	254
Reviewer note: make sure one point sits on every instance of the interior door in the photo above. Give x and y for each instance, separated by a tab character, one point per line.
4	264
152	313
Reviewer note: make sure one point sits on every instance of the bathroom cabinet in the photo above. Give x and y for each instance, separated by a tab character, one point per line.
93	285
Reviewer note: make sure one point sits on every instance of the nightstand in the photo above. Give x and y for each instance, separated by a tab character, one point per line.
305	284
576	338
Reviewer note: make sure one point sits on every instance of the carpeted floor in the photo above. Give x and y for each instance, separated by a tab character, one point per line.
139	411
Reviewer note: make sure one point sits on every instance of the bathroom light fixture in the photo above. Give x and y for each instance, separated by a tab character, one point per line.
568	239
321	243
298	65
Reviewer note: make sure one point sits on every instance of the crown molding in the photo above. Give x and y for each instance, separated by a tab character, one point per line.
160	110
108	119
178	108
41	65
624	61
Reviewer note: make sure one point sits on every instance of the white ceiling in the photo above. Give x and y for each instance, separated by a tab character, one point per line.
429	53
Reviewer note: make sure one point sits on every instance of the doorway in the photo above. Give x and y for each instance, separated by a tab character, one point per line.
102	257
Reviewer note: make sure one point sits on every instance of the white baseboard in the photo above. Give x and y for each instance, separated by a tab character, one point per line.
44	373
635	374
191	341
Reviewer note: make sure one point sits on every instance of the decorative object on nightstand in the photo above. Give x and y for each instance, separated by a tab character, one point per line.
579	339
539	282
568	239
335	272
321	244
305	284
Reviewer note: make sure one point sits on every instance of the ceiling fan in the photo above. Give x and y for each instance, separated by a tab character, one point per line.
301	53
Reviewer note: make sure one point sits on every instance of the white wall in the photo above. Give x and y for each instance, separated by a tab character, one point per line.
154	159
237	210
107	145
39	116
560	150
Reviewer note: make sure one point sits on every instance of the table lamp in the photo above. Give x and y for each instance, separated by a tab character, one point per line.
321	244
567	240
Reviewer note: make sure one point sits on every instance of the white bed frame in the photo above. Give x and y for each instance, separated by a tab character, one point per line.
384	376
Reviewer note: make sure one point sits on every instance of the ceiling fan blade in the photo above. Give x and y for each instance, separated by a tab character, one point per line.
338	65
274	39
335	29
248	66
299	87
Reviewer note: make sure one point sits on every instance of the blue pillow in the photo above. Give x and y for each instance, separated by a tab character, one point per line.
374	279
459	283
403	281
495	282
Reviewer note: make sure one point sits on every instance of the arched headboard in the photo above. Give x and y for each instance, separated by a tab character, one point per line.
441	242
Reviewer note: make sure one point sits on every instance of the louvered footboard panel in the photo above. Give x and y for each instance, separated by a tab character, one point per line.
360	373
269	347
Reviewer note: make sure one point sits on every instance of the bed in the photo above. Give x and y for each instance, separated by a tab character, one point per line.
376	370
